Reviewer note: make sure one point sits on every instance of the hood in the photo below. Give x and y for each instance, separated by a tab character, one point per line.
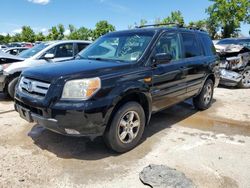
7	58
231	48
74	69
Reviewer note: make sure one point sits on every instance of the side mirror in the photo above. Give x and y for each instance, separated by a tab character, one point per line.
49	56
162	58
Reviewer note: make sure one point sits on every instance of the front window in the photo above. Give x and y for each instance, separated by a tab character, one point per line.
33	51
61	51
169	44
127	47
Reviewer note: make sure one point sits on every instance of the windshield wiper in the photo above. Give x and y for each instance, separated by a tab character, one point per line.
96	58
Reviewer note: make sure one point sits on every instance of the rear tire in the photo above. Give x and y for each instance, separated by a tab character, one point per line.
245	82
12	87
126	128
204	99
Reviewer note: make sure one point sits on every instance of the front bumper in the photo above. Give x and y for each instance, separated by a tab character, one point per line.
63	120
230	78
2	82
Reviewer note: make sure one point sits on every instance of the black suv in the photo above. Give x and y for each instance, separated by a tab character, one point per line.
114	86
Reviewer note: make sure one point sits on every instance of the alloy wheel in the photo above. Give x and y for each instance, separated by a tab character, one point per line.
129	126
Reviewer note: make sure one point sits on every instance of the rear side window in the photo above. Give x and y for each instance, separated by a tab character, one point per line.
208	45
190	45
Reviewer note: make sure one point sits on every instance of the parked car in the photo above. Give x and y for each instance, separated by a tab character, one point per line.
14	50
118	82
244	41
44	53
27	44
2	47
14	44
235	61
6	58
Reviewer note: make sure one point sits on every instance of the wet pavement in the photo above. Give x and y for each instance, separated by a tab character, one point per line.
210	147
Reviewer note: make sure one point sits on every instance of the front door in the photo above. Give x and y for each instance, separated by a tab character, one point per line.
62	52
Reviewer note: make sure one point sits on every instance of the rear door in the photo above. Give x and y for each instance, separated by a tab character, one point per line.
169	85
195	62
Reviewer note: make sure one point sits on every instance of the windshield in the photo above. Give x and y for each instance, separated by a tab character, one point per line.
33	51
119	46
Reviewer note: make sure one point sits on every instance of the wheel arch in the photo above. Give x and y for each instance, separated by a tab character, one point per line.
10	77
209	76
144	99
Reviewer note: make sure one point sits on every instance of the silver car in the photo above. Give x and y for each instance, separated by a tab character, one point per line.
46	52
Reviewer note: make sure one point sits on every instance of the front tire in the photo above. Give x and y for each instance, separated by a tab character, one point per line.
204	99
12	87
126	128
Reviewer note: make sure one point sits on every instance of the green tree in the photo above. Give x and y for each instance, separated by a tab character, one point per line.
7	39
16	38
227	15
61	31
40	37
84	33
27	34
101	28
53	34
175	17
212	28
2	38
200	24
73	35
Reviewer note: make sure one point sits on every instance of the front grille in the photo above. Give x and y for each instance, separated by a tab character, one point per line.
34	87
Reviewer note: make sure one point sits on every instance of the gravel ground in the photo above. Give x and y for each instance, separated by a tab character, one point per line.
211	148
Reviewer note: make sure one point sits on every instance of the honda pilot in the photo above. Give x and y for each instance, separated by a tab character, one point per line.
118	82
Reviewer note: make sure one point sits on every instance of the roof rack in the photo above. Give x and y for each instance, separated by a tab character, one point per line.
172	24
156	25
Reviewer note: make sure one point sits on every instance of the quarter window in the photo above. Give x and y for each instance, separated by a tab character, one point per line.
208	45
190	45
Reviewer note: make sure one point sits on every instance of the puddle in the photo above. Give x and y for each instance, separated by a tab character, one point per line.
217	125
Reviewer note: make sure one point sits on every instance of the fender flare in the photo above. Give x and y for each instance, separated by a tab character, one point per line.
127	90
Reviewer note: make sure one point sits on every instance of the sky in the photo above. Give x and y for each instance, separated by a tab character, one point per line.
43	14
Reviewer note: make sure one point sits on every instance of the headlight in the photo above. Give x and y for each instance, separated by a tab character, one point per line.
81	89
5	66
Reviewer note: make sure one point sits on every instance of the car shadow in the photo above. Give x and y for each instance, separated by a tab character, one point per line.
5	98
84	149
231	87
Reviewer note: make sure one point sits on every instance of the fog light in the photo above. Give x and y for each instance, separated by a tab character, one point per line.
71	131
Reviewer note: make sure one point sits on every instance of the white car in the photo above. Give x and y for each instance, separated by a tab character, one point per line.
46	52
14	50
2	47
